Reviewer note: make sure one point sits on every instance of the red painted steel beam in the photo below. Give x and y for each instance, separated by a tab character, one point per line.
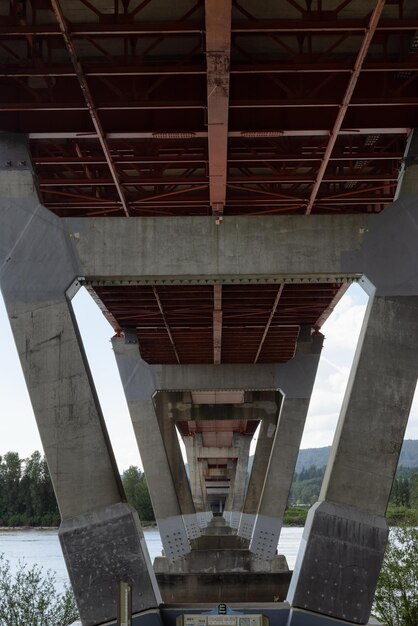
370	31
167	327
319	103
321	27
217	324
140	181
267	327
236	134
88	98
106	29
218	52
175	69
257	157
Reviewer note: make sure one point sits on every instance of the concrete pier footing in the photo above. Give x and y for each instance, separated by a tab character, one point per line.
101	549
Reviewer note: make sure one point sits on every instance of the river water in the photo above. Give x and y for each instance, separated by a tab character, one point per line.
42	548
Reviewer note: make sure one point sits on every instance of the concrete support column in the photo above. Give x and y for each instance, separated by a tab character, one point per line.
175	459
232	470
297	386
345	534
196	479
99	531
203	466
258	474
242	442
139	388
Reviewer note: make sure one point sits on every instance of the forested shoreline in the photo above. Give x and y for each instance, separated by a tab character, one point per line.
27	498
403	502
26	494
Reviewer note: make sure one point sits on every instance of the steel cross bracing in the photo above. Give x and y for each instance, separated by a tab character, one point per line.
217	324
155	108
177	111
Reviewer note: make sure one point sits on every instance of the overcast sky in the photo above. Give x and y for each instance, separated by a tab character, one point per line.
18	429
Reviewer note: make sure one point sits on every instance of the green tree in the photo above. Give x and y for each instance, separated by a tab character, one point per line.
30	599
11	470
396	599
400	494
413	485
137	493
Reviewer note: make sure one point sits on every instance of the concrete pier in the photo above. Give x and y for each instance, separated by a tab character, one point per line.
38	279
345	535
297	385
139	392
220	566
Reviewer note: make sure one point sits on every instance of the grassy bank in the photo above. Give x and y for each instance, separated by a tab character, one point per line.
396	516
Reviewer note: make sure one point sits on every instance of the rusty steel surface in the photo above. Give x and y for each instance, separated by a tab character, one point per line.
259	323
212	107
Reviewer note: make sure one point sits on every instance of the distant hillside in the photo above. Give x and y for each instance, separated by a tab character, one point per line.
318	457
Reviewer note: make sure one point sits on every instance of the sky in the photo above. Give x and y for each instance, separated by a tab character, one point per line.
18	431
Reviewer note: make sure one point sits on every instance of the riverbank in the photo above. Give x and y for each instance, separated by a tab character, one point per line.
395	515
294	517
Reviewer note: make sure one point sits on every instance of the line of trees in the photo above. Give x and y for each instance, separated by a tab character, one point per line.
307	485
27	497
26	494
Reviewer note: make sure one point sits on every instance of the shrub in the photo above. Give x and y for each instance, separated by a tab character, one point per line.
396	599
30	598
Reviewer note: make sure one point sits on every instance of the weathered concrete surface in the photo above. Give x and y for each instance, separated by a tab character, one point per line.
198	248
197	482
333	246
101	549
389	253
242	444
219	561
284	453
37	266
220	542
376	407
268	376
225	587
139	393
175	460
339	562
258	474
348	531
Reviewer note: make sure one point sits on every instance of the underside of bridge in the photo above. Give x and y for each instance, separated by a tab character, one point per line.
215	173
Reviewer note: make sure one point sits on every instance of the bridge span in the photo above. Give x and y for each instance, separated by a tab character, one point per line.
215	173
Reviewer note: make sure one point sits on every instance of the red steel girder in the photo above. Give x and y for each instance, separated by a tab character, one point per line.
392	101
320	27
88	98
217	324
238	134
167	327
176	69
255	157
139	181
371	28
218	52
272	314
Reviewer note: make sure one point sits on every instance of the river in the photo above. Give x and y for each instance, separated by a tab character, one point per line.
42	548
